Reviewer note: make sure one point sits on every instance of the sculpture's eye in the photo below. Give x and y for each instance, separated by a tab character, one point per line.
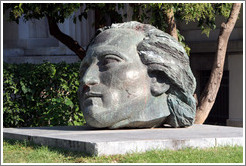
111	59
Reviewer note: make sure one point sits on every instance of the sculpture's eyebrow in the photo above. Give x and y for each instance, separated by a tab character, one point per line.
111	52
102	51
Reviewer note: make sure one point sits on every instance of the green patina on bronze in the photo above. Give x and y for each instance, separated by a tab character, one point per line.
136	76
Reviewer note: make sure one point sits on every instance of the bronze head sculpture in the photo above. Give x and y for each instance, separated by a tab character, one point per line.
136	76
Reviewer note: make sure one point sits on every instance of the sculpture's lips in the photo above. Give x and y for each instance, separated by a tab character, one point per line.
91	94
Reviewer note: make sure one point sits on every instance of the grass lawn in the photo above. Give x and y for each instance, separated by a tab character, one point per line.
25	152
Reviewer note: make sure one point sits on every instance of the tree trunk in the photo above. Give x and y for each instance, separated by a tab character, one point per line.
172	29
209	94
65	39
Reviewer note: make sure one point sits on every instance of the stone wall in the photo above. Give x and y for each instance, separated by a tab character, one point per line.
27	40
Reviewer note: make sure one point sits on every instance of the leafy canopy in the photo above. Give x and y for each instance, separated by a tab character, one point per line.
58	11
153	13
202	13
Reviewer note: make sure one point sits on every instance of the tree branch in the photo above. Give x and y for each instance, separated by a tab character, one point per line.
209	94
172	29
65	39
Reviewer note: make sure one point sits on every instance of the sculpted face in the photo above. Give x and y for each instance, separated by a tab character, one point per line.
115	89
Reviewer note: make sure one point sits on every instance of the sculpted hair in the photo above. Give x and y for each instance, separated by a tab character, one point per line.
166	58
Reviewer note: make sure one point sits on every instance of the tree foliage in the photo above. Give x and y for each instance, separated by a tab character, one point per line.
104	12
153	13
204	14
58	11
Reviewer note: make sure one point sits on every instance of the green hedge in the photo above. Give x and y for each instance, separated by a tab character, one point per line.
41	95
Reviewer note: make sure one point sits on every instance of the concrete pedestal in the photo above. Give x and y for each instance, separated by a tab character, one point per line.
110	142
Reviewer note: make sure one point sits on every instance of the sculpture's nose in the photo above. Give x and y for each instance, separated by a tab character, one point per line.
91	76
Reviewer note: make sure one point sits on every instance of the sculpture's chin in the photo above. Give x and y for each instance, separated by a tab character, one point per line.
131	115
96	118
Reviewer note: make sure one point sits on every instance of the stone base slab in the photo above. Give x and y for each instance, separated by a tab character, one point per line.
110	142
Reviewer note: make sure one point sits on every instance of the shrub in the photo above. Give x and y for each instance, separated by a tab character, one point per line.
41	95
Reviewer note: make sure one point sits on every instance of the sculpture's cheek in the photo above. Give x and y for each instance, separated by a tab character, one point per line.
133	81
132	75
137	83
125	84
121	76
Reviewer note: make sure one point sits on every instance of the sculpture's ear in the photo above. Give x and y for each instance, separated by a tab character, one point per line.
159	84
